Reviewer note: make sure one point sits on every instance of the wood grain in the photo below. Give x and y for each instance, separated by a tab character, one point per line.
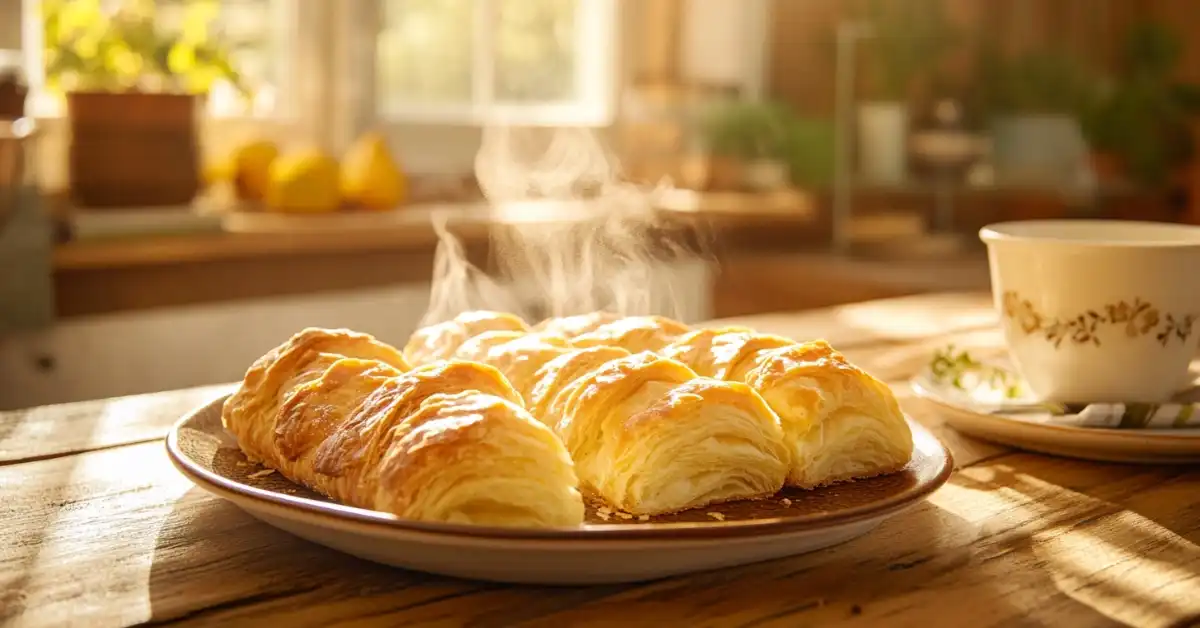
50	431
104	533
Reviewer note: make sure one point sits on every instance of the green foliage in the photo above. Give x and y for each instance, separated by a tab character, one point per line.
751	131
748	130
1144	118
1040	82
909	39
89	49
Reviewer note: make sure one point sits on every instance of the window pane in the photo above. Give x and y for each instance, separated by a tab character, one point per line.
535	50
253	33
424	52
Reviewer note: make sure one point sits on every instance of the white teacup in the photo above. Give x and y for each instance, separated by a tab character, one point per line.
1098	310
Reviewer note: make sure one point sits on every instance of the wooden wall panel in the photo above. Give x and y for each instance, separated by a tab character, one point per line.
802	65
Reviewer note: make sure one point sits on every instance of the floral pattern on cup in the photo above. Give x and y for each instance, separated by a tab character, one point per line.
1137	318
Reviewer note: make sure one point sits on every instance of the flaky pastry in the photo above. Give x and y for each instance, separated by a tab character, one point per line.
634	334
447	441
571	326
839	422
649	436
442	341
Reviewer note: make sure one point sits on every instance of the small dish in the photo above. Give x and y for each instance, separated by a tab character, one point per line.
600	551
1021	423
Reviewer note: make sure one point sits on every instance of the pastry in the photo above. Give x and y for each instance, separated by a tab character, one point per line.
442	341
571	326
448	441
839	422
648	436
517	355
554	381
634	334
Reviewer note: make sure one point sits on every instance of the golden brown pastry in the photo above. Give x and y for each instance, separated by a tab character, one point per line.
724	352
554	381
251	412
649	436
634	334
839	422
443	340
646	434
517	355
448	441
571	326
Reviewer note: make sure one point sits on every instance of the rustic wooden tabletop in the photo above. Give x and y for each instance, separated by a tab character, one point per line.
97	528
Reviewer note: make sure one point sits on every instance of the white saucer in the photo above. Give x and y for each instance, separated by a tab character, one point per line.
1031	431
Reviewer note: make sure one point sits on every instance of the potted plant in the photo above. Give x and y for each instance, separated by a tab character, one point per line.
132	90
1142	130
759	137
1035	102
907	39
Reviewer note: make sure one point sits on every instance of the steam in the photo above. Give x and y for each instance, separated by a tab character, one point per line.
576	237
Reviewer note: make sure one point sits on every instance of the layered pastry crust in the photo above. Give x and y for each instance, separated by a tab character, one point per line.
442	341
839	422
447	441
649	436
485	420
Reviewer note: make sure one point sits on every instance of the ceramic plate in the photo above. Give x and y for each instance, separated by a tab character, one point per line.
600	551
1029	430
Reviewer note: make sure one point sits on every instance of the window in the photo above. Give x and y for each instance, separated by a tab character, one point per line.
475	61
459	62
257	33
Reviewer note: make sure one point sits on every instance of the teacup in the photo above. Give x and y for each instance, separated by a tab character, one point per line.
1098	310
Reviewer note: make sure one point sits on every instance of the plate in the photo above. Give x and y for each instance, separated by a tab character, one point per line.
1023	431
600	551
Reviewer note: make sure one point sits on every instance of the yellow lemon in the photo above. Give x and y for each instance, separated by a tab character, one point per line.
370	176
251	164
304	182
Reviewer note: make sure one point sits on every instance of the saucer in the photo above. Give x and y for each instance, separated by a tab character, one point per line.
1004	414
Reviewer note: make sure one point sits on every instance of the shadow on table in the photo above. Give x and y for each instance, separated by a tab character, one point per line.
212	561
1075	523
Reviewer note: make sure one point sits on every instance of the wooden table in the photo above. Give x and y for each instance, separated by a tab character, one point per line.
96	527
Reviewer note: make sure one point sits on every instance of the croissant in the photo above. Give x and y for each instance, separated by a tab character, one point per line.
448	441
634	334
517	355
646	434
839	422
571	326
649	436
442	341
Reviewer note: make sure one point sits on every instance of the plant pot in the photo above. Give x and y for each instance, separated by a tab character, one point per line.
1038	150
883	141
766	175
133	149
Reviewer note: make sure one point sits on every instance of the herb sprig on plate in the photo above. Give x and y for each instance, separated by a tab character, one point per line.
962	371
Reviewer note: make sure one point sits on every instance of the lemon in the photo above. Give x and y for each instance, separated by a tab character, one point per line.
370	176
304	182
251	164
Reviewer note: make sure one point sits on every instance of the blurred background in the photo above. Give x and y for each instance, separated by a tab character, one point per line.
185	183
